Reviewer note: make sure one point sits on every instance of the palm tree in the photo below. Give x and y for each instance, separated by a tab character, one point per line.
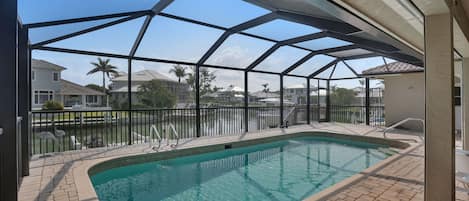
103	66
179	71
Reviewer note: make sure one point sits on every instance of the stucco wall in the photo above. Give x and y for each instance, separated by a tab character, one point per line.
404	97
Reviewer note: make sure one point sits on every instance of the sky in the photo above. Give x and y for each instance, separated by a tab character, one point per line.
176	40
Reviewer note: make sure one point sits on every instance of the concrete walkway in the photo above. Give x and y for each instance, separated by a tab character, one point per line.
401	178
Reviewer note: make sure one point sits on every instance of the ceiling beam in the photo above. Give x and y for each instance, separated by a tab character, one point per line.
304	38
283	43
360	56
333	70
85	19
350	68
320	23
323	68
120	56
102	26
334	9
375	45
140	35
263	56
312	54
243	26
161	5
254	22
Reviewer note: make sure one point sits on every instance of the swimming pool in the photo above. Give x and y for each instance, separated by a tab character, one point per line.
290	169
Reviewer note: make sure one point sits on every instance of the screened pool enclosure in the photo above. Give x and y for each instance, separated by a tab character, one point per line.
251	42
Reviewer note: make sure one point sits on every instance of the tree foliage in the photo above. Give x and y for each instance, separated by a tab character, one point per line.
342	96
179	71
206	78
103	66
52	105
154	94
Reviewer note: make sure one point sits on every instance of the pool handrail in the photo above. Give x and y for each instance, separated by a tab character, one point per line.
174	132
154	130
402	122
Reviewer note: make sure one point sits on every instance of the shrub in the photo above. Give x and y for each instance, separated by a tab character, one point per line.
52	105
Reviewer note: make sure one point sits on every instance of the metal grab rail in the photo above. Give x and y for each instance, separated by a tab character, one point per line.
154	130
285	119
174	132
402	122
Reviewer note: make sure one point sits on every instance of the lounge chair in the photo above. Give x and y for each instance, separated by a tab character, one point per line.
462	167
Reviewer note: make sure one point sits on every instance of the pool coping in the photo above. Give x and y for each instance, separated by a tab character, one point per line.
329	191
85	189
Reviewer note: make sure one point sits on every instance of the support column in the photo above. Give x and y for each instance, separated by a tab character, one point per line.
246	102
24	92
328	101
318	114
129	99
308	101
197	100
439	108
281	101
367	101
465	103
8	103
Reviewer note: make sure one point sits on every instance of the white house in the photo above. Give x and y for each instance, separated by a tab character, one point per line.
404	96
47	84
119	86
296	93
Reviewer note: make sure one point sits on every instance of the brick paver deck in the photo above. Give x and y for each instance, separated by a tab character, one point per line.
401	178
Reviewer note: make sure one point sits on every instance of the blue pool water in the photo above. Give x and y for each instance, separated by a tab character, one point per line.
285	170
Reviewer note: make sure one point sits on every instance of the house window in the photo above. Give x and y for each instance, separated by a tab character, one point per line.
40	97
92	99
55	76
33	75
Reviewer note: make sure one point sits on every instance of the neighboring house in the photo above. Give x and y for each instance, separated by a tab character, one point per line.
232	94
47	84
376	95
119	86
260	95
296	94
404	96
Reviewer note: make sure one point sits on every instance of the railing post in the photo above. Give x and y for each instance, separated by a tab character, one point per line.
367	101
318	114
328	101
308	101
129	98
281	100
246	102
197	99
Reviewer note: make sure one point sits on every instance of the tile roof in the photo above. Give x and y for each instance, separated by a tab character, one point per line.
144	75
37	63
70	88
393	68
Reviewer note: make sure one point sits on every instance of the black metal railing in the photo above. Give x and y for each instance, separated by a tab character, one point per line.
56	131
353	114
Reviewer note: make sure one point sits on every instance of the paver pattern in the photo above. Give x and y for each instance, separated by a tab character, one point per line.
51	178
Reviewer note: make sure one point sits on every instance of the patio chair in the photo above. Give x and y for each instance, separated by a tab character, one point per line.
139	138
74	143
462	167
